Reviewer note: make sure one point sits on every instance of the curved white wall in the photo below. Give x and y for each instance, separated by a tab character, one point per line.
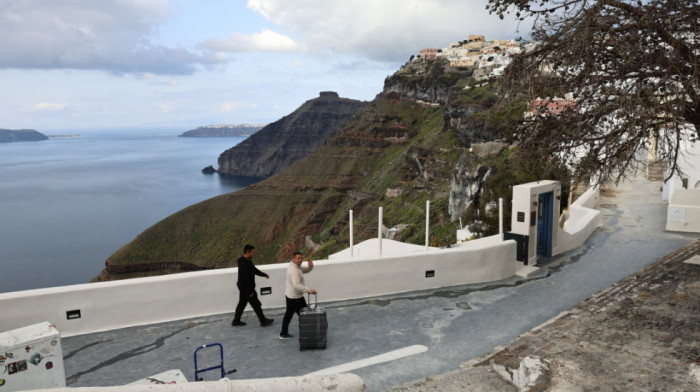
345	382
683	211
583	219
119	304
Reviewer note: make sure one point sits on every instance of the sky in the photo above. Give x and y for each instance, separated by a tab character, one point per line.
180	64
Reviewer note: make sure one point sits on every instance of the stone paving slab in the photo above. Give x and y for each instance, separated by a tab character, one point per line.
640	334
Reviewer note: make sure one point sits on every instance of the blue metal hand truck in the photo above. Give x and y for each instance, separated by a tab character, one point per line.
197	371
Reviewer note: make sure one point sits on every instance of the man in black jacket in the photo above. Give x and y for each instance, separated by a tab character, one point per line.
246	288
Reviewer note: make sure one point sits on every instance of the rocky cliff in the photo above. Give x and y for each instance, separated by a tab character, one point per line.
415	141
223	130
290	138
21	135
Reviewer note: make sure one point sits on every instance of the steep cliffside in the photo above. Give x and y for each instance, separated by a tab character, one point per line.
290	138
414	142
21	135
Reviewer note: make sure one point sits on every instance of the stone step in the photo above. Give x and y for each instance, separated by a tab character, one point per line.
526	271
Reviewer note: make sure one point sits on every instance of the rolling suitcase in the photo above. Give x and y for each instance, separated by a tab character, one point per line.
313	326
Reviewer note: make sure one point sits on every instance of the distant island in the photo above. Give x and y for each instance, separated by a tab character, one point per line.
71	135
21	135
224	130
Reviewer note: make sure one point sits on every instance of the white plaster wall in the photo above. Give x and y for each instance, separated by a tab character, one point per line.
588	199
370	248
525	199
670	186
689	163
345	382
521	203
583	220
490	240
119	304
687	201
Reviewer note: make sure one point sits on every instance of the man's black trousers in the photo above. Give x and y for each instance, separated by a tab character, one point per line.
294	305
245	299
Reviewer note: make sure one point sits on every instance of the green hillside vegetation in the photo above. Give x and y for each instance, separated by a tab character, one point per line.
395	143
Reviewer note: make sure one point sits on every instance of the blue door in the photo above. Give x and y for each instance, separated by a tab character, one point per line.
545	212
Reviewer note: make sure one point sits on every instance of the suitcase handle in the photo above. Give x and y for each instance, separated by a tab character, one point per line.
308	295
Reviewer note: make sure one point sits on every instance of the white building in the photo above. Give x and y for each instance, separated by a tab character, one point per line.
683	194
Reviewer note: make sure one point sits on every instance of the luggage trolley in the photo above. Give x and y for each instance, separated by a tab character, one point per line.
197	371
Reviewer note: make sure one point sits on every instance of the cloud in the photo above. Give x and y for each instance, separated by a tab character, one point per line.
45	106
117	36
386	30
265	41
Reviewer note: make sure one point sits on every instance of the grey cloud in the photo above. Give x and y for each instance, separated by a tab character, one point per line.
386	30
112	35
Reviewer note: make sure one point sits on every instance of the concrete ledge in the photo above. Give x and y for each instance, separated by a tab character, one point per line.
337	382
526	271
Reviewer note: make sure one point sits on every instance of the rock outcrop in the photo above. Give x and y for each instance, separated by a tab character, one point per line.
223	130
285	141
21	135
466	186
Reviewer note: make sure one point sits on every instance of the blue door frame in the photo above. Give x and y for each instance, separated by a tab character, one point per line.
545	217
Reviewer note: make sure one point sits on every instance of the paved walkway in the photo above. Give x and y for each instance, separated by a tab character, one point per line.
455	324
641	334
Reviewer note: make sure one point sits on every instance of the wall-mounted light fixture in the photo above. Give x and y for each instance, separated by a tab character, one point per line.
73	314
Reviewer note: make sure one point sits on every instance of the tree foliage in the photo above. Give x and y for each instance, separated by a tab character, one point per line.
633	69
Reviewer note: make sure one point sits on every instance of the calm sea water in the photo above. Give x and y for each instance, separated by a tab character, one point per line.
66	204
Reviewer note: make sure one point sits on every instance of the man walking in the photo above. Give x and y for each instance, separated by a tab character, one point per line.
246	288
294	291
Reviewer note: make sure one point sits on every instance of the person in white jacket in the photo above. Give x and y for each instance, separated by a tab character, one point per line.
294	291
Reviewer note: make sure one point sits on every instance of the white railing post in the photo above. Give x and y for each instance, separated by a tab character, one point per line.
379	234
427	223
351	238
500	217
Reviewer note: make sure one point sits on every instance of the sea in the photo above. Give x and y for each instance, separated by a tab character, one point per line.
68	203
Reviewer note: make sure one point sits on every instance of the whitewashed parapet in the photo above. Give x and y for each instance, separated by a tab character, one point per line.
683	211
337	382
94	307
583	220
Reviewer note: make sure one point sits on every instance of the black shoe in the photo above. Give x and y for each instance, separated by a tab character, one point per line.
266	322
235	323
